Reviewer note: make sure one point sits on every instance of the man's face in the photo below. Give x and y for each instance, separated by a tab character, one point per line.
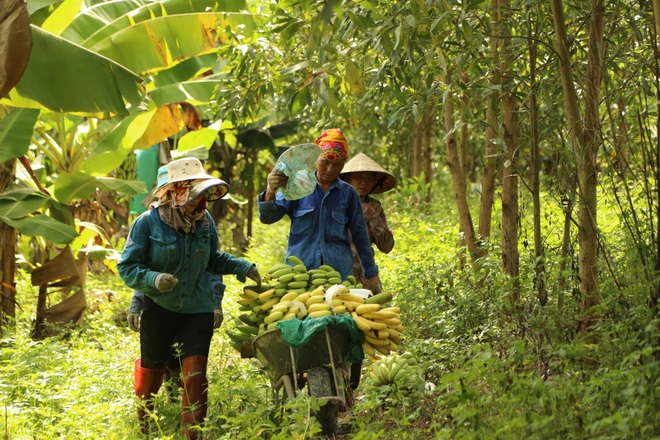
328	171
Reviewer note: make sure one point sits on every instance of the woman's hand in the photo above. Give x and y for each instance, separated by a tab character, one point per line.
253	274
165	282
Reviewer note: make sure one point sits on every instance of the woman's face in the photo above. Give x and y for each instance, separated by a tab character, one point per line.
363	182
190	207
328	171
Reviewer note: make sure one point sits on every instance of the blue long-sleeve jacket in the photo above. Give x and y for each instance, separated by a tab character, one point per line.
137	301
320	226
153	247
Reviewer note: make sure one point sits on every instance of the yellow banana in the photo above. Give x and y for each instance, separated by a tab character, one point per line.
319	291
289	296
380	315
247	301
375	325
339	310
249	293
303	297
316	307
383	349
350	297
368	348
392	309
319	313
391	322
367	308
268	294
314	300
269	304
274	316
361	322
288	316
376	342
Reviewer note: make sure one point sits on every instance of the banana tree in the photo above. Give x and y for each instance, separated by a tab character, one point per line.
104	80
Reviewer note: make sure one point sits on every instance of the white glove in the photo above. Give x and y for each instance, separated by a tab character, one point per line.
134	321
165	282
218	317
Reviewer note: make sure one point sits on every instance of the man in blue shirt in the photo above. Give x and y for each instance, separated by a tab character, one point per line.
323	223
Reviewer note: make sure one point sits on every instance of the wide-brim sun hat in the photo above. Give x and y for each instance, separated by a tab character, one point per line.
161	177
213	189
362	163
188	168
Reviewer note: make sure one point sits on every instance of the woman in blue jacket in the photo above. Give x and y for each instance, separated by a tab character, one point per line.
168	253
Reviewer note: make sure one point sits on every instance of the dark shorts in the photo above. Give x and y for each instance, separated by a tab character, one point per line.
159	328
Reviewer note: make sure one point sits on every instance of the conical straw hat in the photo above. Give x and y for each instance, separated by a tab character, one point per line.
361	163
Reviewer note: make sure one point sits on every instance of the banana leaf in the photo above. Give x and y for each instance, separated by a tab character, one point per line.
64	77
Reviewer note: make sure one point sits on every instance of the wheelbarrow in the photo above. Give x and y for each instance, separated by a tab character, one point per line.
317	366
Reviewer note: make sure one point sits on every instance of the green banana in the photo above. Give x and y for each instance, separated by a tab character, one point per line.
286	277
326	268
301	277
333	274
297	285
294	260
381	298
277	274
300	268
277	267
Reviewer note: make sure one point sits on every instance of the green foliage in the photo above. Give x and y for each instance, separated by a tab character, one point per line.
489	370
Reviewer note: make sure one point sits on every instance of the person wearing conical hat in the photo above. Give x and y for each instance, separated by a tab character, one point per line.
323	222
169	252
367	177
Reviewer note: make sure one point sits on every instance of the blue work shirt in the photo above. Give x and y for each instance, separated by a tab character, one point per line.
320	226
153	247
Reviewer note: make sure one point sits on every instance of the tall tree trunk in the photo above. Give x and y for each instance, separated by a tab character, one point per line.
491	150
510	253
585	141
426	144
453	161
416	161
539	252
8	263
654	299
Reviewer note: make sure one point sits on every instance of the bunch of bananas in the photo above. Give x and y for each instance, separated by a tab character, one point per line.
300	293
399	369
381	325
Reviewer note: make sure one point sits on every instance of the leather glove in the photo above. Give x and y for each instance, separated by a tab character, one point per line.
374	284
218	317
253	274
134	321
165	282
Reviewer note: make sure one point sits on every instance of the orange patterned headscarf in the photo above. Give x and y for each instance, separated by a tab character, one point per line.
333	144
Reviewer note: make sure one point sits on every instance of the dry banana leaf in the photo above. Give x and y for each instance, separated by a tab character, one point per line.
15	43
61	271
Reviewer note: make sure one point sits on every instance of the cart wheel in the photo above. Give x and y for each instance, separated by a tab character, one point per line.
319	384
